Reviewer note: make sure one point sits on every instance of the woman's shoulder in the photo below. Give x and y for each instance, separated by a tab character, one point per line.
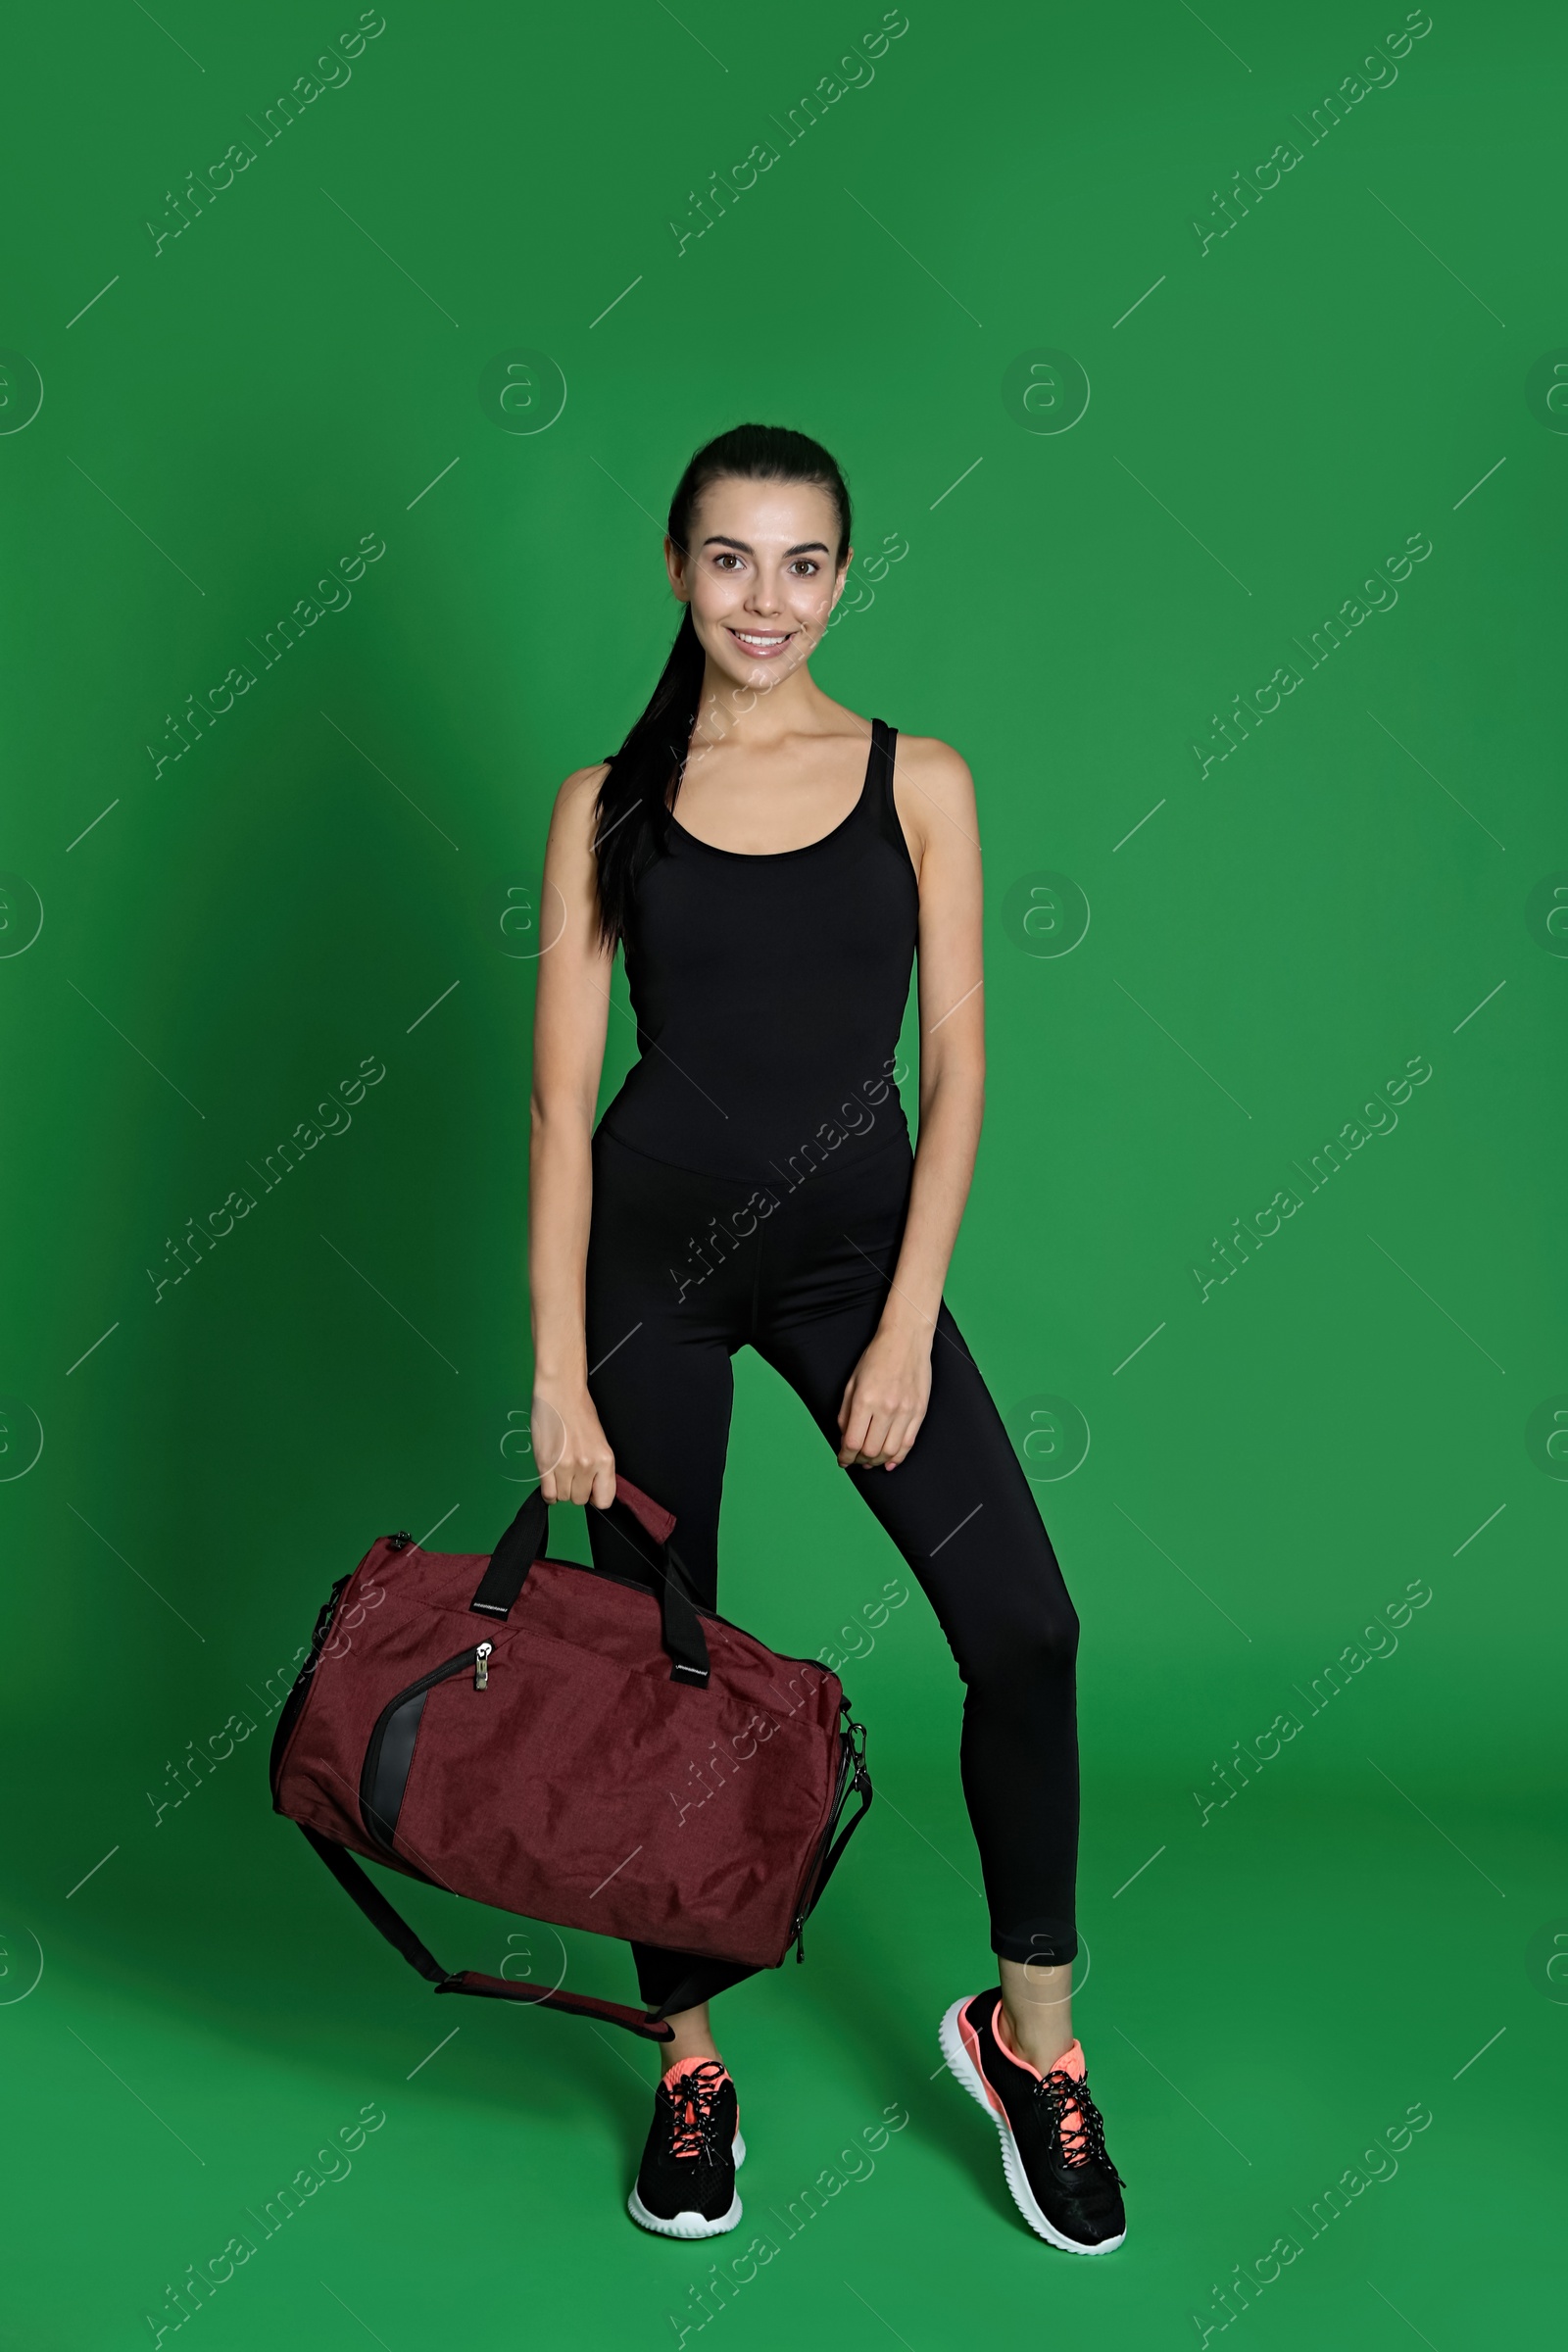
931	758
929	777
577	798
582	784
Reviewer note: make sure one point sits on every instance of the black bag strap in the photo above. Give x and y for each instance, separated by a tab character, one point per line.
361	1888
685	1643
858	1787
523	1544
644	1529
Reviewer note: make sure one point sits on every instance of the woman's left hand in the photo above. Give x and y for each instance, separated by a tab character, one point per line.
885	1402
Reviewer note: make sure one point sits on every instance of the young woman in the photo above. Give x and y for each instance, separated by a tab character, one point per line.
770	864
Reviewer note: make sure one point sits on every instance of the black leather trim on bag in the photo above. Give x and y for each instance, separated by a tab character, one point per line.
386	1767
389	1754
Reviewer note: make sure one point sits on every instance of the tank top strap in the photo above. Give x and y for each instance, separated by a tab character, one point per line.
884	738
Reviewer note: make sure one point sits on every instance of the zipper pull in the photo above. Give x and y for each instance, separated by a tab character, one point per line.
481	1666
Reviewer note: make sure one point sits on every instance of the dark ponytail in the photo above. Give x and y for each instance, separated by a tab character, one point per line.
645	776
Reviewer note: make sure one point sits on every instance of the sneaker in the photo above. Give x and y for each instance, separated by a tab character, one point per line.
1053	2138
686	2187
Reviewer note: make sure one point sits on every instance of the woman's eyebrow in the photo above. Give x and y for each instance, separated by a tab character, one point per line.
807	547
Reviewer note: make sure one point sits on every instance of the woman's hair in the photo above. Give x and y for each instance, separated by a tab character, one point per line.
639	792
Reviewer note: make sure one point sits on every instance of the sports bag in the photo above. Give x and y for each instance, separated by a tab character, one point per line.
584	1748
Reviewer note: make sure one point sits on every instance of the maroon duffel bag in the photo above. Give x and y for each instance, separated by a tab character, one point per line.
595	1751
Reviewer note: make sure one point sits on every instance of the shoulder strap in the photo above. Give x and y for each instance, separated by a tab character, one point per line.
857	1786
884	741
362	1890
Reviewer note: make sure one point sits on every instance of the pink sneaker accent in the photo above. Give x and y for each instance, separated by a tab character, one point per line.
1071	2063
711	2072
971	2042
683	2066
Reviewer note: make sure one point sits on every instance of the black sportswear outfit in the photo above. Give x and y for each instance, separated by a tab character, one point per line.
751	1182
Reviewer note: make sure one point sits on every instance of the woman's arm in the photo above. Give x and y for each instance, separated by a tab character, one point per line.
570	1014
885	1402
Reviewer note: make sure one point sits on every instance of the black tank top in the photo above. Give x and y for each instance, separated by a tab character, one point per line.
770	991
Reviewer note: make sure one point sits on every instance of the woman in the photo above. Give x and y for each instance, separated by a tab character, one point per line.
769	864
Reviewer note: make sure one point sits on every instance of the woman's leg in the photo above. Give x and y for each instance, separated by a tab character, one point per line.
1037	2010
962	1512
678	1986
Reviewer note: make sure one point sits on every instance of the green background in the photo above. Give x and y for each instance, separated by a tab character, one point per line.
1269	419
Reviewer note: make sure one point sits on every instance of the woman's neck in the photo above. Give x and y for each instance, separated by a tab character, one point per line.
764	715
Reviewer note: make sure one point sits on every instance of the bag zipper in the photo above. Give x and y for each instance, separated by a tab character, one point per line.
477	1656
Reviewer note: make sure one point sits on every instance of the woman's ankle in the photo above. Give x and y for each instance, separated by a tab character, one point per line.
1037	2010
1041	2039
687	2052
692	2039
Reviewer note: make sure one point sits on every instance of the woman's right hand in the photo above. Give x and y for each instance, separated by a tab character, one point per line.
573	1455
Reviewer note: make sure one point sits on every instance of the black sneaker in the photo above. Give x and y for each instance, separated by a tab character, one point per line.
1053	2138
686	2187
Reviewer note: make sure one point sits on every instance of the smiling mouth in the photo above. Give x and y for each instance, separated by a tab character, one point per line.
761	643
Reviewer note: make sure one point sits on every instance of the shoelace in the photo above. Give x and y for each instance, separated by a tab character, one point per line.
1075	2119
693	2101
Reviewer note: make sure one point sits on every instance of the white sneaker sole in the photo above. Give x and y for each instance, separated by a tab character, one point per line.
955	2052
689	2225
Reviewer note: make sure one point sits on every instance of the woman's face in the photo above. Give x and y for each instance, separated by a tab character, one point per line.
761	576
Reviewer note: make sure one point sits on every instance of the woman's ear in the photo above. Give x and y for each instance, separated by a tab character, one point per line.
675	566
844	573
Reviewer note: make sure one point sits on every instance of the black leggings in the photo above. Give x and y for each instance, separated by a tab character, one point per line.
801	1275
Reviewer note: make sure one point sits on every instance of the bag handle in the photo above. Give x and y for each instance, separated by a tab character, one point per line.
362	1890
645	1528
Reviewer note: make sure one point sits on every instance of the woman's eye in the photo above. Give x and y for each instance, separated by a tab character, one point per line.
805	565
